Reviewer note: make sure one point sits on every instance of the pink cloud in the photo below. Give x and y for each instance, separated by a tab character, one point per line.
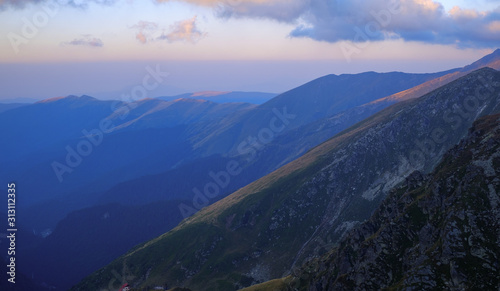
145	29
185	30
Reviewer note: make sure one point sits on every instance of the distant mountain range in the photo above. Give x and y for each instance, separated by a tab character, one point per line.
161	154
279	222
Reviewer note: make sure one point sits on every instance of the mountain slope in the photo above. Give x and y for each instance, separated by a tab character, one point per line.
438	232
299	140
320	98
263	230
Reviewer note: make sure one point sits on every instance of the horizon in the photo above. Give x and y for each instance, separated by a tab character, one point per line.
166	90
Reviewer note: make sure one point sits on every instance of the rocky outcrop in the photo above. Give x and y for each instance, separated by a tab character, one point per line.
437	232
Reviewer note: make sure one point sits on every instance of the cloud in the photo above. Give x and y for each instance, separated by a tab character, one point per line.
86	41
85	3
335	20
376	20
494	26
185	30
282	10
357	20
144	31
18	4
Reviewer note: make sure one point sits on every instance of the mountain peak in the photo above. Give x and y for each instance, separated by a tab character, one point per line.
86	97
52	99
494	55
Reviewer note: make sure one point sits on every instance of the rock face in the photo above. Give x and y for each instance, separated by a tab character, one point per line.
300	211
437	232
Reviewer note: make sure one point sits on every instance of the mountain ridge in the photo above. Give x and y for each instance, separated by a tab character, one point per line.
248	236
225	96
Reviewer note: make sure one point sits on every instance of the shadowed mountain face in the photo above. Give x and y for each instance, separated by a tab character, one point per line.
59	120
37	126
437	232
276	223
92	237
116	132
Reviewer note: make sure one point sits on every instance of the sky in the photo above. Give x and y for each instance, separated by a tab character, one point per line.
104	48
